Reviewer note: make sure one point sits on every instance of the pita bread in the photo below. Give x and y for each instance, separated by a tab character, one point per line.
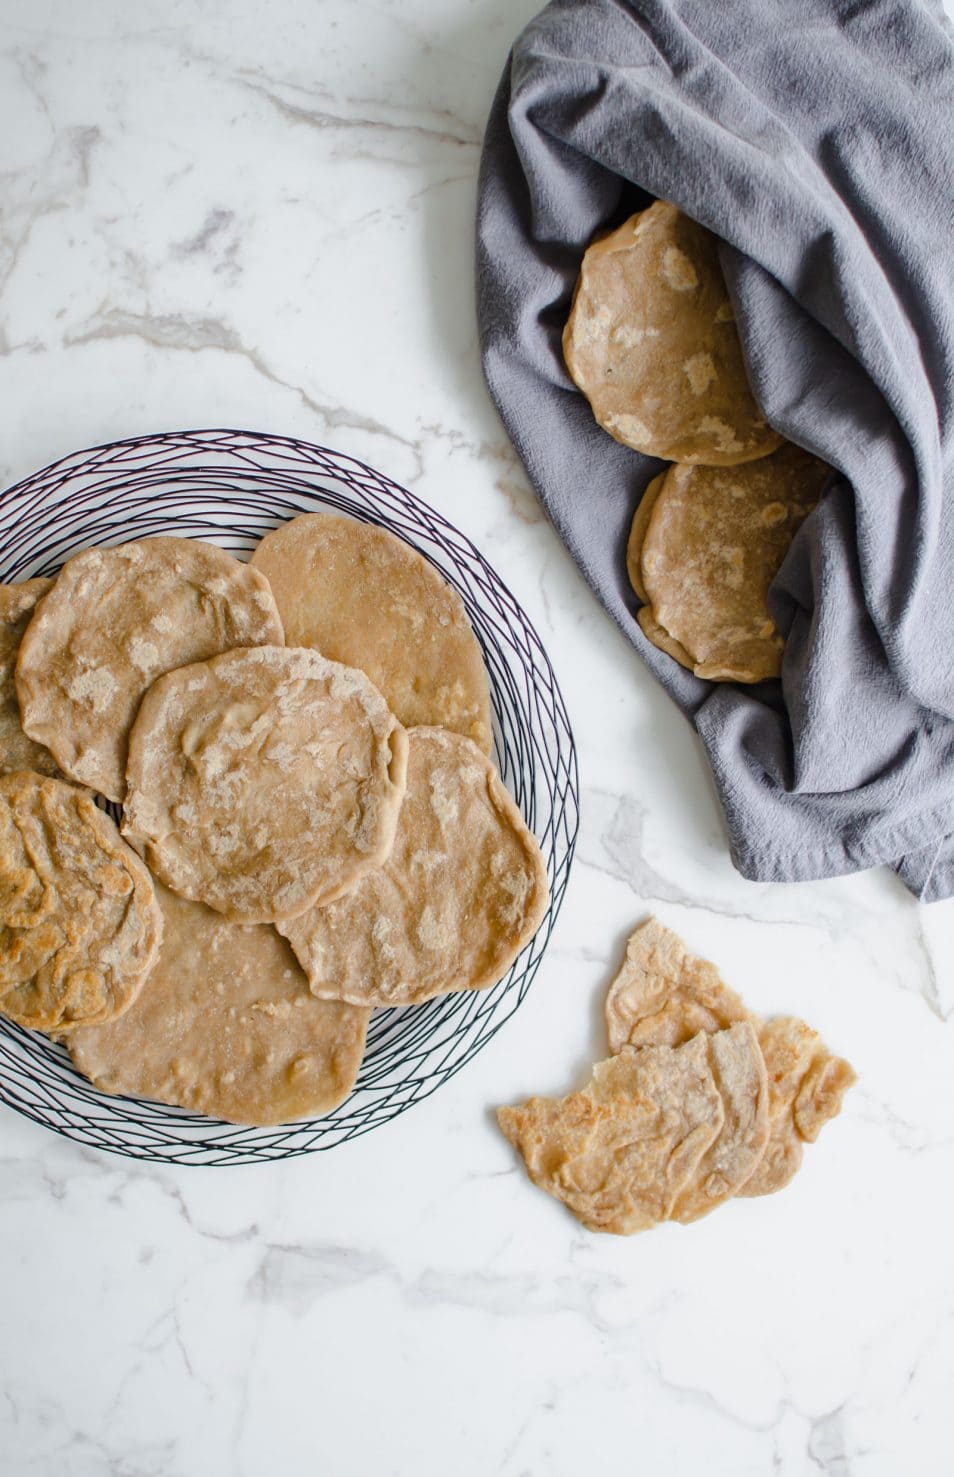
226	1025
79	921
364	597
637	533
17	603
264	781
116	619
713	544
652	344
661	639
620	1153
462	892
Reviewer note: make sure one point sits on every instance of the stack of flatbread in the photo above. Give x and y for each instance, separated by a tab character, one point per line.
652	343
699	1100
312	826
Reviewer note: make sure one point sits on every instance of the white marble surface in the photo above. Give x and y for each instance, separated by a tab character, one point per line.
227	213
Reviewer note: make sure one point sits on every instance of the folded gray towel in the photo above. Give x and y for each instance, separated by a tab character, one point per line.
815	138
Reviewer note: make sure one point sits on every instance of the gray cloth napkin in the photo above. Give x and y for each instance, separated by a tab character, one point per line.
816	139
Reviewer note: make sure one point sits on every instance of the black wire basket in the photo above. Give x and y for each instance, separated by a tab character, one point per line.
231	487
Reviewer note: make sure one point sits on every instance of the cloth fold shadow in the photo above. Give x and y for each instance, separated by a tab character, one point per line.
815	141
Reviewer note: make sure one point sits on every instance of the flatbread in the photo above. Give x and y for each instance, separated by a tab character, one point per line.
115	620
363	597
637	533
264	781
806	1084
79	921
661	639
652	344
620	1153
715	541
17	603
738	1071
226	1025
463	890
663	995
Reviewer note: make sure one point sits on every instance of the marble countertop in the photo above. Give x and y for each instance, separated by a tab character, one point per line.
261	216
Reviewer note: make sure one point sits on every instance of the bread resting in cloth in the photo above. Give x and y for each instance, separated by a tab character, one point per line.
652	343
706	550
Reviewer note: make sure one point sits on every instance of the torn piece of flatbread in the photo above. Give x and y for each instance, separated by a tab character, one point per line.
652	343
17	751
364	597
79	921
664	994
806	1084
621	1152
115	619
226	1025
264	781
714	542
462	891
738	1071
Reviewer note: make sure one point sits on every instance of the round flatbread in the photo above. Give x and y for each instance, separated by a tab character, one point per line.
79	921
649	625
652	343
365	598
226	1025
17	603
715	540
462	892
637	533
661	639
114	621
264	781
